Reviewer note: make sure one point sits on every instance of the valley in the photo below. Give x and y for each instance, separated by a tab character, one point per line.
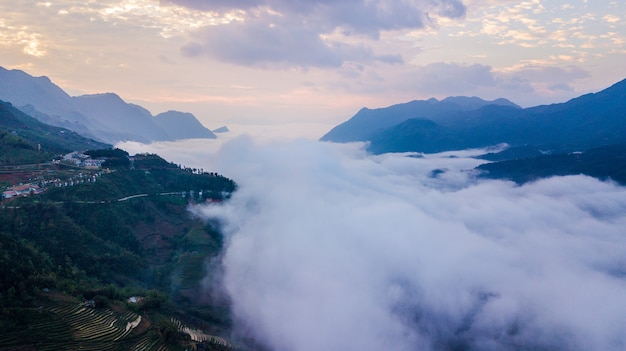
103	250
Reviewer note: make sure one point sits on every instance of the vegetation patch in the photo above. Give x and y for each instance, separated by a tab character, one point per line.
74	255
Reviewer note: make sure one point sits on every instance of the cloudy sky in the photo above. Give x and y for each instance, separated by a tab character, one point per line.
313	63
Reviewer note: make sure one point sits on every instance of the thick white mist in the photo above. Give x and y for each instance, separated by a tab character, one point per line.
331	249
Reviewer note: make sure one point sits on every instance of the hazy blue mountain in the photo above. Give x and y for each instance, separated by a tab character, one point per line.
182	125
22	89
123	121
589	121
453	131
58	121
222	129
474	103
368	122
102	116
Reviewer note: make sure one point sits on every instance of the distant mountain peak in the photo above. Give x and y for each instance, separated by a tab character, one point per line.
368	122
590	120
109	96
182	125
222	129
175	114
475	102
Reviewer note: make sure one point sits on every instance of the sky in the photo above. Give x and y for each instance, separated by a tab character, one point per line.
330	248
303	66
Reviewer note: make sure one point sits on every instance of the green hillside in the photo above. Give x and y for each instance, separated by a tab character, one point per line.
129	233
23	139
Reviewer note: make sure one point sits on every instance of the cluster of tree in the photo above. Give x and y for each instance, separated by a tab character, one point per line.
213	185
43	247
14	140
607	162
115	158
15	150
169	333
25	271
107	153
152	161
125	182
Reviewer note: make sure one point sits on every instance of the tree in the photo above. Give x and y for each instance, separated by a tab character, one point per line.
168	332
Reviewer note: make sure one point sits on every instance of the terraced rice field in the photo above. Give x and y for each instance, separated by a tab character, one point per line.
71	326
198	335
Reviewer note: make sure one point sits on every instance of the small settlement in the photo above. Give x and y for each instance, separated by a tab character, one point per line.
81	160
39	184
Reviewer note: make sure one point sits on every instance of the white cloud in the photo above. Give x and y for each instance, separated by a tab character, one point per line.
452	78
611	18
264	45
353	15
278	33
274	46
21	36
527	83
328	248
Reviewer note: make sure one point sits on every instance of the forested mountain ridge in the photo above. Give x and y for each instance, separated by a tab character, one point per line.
605	163
105	258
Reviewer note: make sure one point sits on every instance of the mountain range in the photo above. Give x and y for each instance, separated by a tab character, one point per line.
367	123
592	120
595	121
588	121
106	117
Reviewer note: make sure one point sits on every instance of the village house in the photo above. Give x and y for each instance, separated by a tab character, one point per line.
73	158
21	190
8	194
78	159
92	163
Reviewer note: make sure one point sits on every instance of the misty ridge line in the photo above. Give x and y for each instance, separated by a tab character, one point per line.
589	121
105	117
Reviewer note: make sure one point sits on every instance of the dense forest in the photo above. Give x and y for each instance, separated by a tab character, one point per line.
126	234
606	163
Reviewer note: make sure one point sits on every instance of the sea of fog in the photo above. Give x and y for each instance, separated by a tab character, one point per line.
329	248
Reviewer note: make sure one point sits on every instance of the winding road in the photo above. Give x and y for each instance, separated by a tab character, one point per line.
126	198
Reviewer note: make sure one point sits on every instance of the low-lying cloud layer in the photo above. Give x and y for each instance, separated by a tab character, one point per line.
331	249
